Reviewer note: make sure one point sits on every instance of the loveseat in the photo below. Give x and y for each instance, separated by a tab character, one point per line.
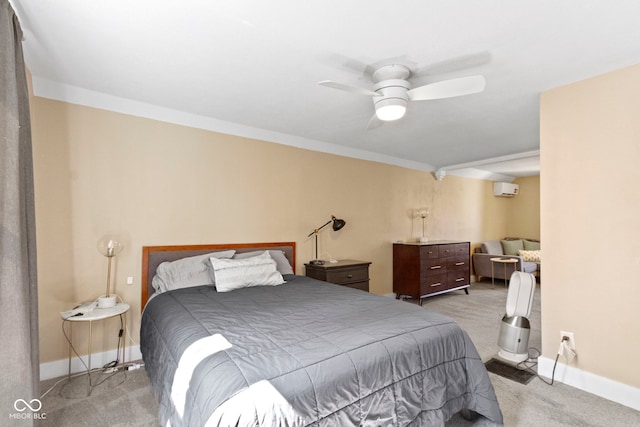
525	251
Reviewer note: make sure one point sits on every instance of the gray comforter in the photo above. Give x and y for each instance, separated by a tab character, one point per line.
308	353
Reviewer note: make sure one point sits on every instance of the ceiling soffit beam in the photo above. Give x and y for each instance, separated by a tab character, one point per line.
472	169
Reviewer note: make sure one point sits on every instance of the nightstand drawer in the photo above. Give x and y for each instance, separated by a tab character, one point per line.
363	286
347	275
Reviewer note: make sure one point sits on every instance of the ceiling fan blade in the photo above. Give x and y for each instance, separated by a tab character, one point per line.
352	89
350	64
458	63
374	122
448	88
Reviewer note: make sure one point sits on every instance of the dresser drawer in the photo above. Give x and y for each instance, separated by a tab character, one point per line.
435	283
457	278
458	263
347	275
432	267
427	252
447	250
461	249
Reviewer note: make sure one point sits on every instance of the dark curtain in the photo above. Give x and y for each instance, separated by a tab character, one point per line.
19	356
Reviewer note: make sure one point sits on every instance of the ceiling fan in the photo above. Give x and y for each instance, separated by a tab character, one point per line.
392	90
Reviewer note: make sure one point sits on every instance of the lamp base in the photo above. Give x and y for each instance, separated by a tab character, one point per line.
107	302
316	262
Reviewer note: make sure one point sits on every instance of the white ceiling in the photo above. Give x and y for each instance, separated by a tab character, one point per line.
251	67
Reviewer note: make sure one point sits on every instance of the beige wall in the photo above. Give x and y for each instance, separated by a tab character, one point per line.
590	148
523	217
156	183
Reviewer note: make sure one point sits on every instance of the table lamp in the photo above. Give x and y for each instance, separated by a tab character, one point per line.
423	213
337	225
108	246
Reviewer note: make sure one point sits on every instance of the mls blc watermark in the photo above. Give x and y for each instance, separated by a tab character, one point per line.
27	410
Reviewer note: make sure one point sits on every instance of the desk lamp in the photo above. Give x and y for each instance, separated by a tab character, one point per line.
337	225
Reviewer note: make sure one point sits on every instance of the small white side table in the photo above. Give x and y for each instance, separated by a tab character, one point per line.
504	262
96	314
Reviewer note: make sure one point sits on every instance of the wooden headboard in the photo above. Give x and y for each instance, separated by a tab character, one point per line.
153	256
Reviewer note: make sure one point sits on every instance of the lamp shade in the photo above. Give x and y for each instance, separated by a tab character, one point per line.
109	246
338	224
422	212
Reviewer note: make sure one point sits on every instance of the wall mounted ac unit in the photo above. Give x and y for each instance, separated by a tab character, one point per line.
505	189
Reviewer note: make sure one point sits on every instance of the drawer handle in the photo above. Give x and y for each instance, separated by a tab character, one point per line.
460	263
446	251
349	276
435	267
460	279
436	284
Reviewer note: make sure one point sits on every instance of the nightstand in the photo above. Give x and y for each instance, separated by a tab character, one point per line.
347	272
95	315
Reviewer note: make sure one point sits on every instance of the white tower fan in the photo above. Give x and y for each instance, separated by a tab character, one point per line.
514	329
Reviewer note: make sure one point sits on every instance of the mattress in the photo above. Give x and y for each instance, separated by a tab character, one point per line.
308	353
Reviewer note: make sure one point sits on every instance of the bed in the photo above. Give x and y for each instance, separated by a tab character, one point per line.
301	353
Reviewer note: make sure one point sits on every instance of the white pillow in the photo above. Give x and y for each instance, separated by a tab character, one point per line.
186	272
282	263
245	273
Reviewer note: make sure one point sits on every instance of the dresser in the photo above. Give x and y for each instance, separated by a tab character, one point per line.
426	269
347	272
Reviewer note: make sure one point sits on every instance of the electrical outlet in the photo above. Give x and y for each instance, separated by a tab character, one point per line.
129	280
572	341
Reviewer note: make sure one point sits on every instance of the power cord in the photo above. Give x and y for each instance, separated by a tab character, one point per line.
128	329
532	362
109	367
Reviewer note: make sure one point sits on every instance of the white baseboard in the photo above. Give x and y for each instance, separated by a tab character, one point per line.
60	367
600	386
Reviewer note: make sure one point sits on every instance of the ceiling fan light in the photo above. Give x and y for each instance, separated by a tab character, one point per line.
391	109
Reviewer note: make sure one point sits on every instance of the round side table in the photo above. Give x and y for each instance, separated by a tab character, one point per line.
94	315
504	262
